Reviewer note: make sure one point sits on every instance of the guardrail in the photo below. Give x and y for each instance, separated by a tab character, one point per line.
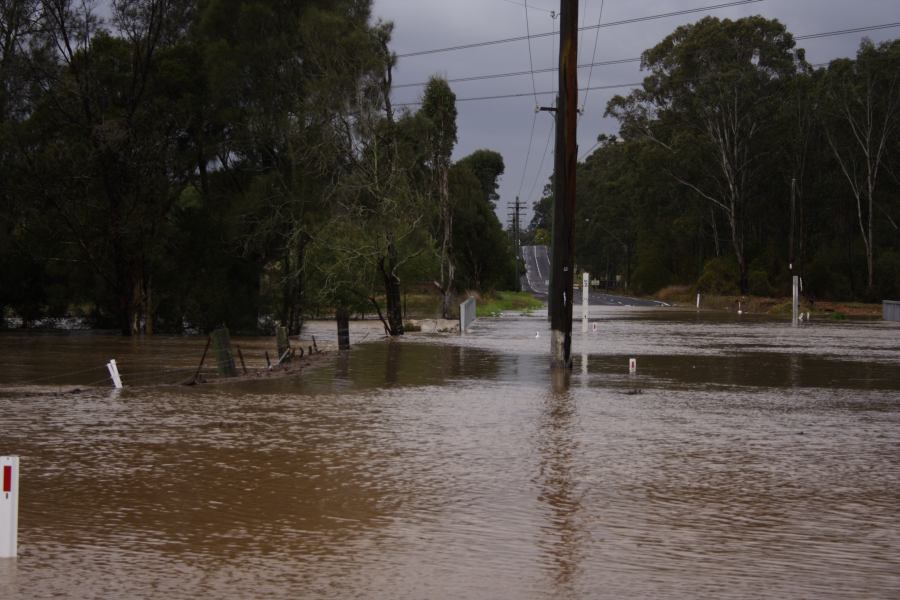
466	314
891	310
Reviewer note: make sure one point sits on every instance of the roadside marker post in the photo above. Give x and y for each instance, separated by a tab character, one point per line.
632	365
9	506
114	373
585	300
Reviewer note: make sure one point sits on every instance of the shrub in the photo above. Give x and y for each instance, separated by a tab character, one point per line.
887	274
759	283
720	276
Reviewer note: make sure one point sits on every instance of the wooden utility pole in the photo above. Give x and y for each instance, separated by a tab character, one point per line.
514	213
563	251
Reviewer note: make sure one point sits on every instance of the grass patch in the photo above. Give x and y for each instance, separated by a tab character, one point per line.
493	305
779	307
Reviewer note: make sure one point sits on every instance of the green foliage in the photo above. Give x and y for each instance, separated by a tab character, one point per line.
439	108
759	283
228	160
720	276
484	254
494	304
488	167
888	270
652	274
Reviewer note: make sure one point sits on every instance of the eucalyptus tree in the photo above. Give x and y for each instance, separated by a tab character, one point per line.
483	252
710	100
439	108
284	78
861	118
20	50
104	141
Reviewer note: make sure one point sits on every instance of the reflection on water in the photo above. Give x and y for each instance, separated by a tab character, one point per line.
562	534
744	459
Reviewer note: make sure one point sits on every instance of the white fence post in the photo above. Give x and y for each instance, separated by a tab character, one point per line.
795	302
466	314
114	373
585	300
9	506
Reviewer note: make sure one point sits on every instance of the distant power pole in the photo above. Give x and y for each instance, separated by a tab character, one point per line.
514	212
563	252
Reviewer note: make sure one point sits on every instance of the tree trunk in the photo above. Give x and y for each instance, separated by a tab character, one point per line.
342	316
448	269
392	291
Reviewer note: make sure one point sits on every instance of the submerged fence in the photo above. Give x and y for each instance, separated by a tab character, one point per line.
466	314
891	310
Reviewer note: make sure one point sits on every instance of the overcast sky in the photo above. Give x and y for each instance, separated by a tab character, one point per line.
505	125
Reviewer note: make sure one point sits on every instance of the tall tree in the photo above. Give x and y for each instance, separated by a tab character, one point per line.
283	77
105	141
709	99
861	115
439	107
485	257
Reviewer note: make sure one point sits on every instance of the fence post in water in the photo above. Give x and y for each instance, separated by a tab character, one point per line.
466	314
585	300
795	301
9	506
282	341
343	329
241	356
114	373
224	359
890	310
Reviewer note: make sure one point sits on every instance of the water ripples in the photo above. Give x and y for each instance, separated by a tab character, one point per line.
446	468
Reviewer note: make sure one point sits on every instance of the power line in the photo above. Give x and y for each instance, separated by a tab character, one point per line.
603	63
553	43
520	95
553	33
530	59
546	10
528	154
541	166
619	61
812	36
547	93
594	55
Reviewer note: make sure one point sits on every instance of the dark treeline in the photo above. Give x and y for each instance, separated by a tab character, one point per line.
732	138
197	162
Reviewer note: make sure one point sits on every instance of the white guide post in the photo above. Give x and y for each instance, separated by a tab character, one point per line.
9	506
795	303
698	300
632	365
585	300
114	373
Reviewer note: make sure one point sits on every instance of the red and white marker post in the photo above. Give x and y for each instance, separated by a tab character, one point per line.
9	506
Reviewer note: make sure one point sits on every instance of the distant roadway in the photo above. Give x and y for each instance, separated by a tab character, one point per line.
537	281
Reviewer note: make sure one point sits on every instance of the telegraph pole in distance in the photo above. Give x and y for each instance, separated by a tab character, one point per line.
562	255
514	212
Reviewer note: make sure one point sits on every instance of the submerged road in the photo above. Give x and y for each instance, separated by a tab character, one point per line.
537	281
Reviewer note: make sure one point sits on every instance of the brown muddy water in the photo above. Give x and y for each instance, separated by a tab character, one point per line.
744	459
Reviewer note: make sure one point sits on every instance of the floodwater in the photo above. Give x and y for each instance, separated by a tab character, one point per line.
744	459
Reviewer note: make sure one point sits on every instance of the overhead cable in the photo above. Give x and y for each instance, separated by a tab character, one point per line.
618	61
590	27
530	59
546	10
594	55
